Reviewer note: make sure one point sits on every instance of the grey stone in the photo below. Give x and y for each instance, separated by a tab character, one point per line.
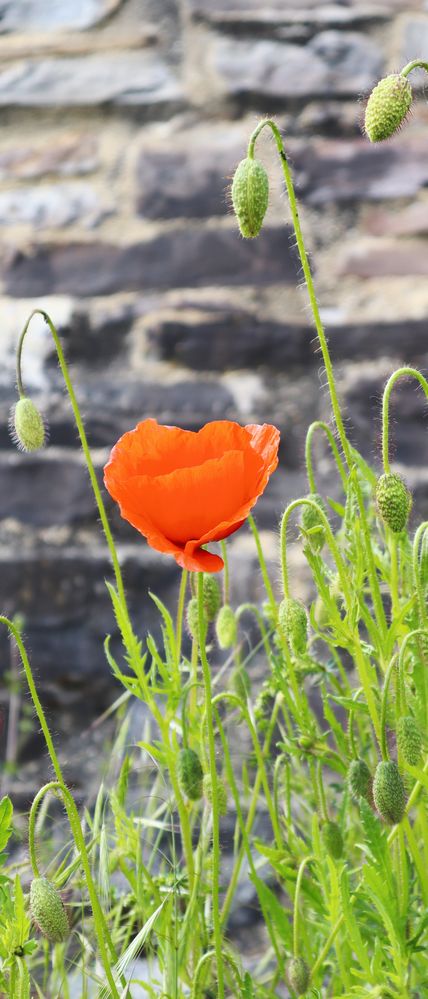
63	154
121	78
353	170
184	257
333	62
53	206
385	258
51	15
193	178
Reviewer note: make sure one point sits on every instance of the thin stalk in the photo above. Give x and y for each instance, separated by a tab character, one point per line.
262	561
296	914
179	618
214	784
320	425
400	373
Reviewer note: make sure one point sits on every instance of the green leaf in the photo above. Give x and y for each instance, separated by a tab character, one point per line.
6	815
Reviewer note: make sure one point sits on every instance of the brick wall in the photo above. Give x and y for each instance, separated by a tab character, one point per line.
120	123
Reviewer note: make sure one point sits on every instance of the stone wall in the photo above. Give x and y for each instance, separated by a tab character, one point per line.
120	124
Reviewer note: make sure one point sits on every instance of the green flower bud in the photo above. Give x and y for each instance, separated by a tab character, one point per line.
388	792
332	839
241	683
360	780
393	500
293	622
310	520
48	910
221	793
387	107
226	627
192	618
26	426
190	774
409	740
298	975
212	597
250	196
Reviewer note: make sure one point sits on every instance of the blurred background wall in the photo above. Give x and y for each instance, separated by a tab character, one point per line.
120	125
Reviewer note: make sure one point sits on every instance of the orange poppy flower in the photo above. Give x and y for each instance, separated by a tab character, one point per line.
182	489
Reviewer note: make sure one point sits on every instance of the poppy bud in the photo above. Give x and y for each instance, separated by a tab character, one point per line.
388	792
27	426
387	107
226	627
360	780
212	597
310	520
48	910
298	975
192	618
190	774
409	740
332	839
393	500
250	196
221	793
241	682
293	622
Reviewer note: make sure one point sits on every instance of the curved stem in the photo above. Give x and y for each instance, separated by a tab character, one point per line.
299	879
82	435
308	278
415	64
400	373
341	568
51	786
321	425
214	784
419	535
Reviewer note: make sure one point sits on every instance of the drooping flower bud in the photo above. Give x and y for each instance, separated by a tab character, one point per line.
409	740
190	774
310	521
212	597
250	196
192	618
221	793
293	622
226	627
27	426
388	792
360	780
393	500
332	839
387	107
48	910
298	975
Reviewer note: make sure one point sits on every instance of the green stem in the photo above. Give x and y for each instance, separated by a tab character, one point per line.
296	915
82	435
265	574
214	784
179	619
400	373
415	64
384	707
226	573
308	277
320	425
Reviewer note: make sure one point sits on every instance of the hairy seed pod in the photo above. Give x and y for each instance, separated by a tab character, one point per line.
250	196
293	621
226	627
190	774
393	501
298	975
387	107
27	426
192	618
48	910
388	792
221	793
360	780
310	520
332	839
212	597
409	740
